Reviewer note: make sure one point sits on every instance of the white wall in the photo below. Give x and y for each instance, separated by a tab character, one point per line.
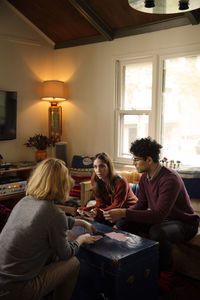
89	115
25	61
27	58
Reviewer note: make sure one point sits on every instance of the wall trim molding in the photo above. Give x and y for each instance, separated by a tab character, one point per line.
22	17
19	40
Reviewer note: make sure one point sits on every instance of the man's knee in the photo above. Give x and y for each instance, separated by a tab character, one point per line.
156	233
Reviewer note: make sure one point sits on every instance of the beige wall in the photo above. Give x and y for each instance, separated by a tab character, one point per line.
89	115
27	58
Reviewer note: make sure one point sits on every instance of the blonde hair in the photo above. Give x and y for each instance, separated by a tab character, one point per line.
50	181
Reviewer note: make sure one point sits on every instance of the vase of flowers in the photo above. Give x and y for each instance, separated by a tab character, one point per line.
41	143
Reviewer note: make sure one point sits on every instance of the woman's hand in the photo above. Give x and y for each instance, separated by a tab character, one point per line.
92	213
81	212
115	214
88	213
86	238
86	225
89	227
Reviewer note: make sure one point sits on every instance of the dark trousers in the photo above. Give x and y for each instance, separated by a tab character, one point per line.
166	233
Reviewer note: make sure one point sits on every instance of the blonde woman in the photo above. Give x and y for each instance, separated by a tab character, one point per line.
35	230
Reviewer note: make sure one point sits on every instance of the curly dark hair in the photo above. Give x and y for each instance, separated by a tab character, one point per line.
146	147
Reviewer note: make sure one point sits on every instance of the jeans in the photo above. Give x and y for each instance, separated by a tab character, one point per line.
166	233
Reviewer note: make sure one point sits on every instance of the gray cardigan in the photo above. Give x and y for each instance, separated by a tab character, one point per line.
34	230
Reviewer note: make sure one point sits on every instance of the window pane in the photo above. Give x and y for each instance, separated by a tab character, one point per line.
133	127
138	86
181	107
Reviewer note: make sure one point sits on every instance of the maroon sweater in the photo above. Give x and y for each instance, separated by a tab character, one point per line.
122	197
162	198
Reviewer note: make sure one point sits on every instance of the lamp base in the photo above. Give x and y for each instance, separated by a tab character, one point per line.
55	122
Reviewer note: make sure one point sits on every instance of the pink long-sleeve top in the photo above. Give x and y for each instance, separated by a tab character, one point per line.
123	197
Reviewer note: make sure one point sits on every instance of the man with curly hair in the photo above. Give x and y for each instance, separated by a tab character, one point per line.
163	210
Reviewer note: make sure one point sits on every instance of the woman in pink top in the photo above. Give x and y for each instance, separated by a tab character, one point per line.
111	190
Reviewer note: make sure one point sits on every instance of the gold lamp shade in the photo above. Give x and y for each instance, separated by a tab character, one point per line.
164	6
54	91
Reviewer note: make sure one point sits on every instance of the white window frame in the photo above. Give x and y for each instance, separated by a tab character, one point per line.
119	112
157	83
161	60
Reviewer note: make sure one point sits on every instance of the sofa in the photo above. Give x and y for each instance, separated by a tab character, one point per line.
186	256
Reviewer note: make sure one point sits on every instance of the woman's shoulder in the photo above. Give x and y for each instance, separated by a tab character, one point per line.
119	179
92	180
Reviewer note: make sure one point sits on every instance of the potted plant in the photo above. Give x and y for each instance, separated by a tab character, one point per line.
40	142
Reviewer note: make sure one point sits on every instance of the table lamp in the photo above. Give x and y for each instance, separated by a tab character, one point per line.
54	91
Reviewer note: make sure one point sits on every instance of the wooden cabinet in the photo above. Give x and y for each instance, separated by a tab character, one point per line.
18	172
21	173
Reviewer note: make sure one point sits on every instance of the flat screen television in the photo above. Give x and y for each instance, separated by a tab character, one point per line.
8	115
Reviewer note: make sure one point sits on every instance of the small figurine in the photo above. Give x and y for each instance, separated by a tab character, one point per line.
162	162
178	163
171	164
165	161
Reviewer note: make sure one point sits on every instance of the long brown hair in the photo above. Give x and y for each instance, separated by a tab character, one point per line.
100	186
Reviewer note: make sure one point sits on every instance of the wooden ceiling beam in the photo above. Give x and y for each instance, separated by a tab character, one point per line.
194	16
147	28
79	42
129	31
95	20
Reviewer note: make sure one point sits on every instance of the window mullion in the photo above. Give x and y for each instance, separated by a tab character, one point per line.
135	112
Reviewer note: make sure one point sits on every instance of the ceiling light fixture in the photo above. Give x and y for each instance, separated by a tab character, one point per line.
149	3
164	6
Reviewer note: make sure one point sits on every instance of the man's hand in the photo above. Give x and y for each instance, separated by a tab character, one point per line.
115	214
